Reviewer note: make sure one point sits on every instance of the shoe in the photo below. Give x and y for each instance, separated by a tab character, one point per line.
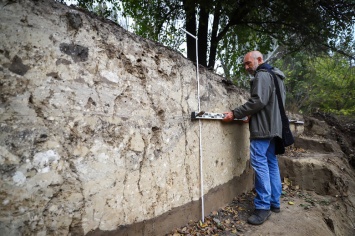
275	209
259	216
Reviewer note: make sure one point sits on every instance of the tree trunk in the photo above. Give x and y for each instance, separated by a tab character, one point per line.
214	42
202	36
190	12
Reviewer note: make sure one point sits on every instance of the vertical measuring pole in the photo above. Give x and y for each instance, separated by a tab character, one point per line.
200	126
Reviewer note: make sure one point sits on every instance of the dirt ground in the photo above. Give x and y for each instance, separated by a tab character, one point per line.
318	195
301	214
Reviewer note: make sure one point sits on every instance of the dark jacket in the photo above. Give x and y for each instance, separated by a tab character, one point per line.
263	105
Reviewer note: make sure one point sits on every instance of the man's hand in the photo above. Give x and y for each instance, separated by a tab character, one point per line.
247	119
228	116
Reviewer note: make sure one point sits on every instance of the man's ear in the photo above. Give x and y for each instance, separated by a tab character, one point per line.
260	60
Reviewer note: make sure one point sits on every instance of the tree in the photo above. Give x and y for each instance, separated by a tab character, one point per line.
335	85
325	83
304	24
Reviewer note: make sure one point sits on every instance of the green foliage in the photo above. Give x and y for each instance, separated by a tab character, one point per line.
234	46
156	19
325	83
105	8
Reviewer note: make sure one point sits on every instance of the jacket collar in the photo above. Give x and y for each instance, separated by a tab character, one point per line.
264	66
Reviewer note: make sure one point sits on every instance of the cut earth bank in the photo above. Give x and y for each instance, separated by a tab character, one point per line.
318	188
95	129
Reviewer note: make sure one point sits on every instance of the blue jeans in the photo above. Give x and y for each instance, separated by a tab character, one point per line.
267	174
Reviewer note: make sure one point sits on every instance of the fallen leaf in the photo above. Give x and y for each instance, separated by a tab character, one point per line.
291	203
203	225
183	230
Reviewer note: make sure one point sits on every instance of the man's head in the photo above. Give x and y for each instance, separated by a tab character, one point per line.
252	60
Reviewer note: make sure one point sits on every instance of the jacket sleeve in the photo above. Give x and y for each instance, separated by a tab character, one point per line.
259	96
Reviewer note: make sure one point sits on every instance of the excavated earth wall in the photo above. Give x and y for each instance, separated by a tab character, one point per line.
319	165
95	129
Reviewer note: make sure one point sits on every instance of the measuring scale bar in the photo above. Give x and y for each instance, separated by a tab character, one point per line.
211	116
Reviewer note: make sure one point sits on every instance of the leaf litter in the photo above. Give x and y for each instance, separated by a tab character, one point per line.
232	219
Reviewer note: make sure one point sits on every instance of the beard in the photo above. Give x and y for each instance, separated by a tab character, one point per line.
251	71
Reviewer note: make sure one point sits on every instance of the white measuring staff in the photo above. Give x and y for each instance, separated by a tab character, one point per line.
200	126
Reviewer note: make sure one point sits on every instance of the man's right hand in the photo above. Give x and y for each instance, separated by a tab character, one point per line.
228	116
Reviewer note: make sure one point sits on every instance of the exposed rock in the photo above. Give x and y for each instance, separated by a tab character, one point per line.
77	52
17	66
74	20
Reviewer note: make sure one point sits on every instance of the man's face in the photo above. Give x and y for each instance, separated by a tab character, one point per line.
250	64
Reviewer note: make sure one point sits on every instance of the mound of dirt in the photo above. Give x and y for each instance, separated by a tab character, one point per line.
340	129
318	197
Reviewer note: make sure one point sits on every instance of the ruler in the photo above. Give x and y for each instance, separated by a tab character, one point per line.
202	115
296	122
210	116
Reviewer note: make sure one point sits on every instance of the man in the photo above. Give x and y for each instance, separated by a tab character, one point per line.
265	124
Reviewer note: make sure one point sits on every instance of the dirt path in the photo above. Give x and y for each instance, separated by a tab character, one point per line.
306	216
